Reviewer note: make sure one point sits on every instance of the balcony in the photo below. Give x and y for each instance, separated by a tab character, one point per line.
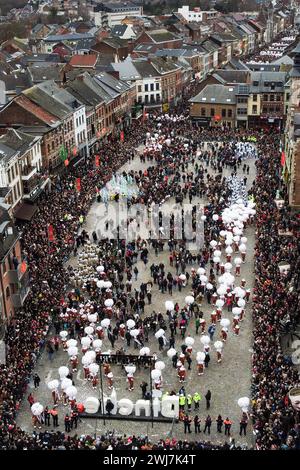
19	297
28	172
15	275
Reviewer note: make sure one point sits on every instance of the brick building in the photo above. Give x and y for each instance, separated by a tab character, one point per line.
160	39
215	106
14	277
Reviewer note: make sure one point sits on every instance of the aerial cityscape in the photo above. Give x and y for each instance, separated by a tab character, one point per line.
149	232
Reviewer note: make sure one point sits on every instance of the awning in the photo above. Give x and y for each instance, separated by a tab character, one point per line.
25	211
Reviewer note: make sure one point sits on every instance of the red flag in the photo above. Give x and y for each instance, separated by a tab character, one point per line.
50	233
23	267
78	184
122	136
144	115
282	159
66	162
97	160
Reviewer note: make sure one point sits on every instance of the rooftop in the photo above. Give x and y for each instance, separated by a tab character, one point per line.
86	60
218	94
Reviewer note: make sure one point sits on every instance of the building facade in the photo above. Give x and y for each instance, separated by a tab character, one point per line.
14	276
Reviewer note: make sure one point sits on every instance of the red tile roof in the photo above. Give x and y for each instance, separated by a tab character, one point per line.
36	110
79	60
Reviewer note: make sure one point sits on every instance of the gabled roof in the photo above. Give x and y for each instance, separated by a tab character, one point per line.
285	59
18	141
181	28
85	60
127	70
232	76
89	90
14	81
54	99
119	30
209	45
217	94
40	73
278	78
145	69
222	37
115	42
193	26
35	58
84	44
164	66
37	28
6	152
41	113
112	84
236	64
147	48
161	35
68	37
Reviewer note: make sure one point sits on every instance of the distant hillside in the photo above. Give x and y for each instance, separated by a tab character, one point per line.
6	5
156	7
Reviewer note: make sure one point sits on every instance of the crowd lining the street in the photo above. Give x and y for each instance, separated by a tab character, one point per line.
273	418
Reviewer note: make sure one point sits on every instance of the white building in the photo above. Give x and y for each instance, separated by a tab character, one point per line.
80	127
149	85
112	14
20	161
196	14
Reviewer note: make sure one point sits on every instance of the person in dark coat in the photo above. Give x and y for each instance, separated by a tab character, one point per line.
208	398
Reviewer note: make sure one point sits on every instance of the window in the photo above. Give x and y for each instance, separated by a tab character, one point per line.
9	176
229	113
223	112
271	97
265	97
242	99
157	86
7	292
146	87
241	111
157	96
255	83
277	109
152	87
212	111
254	109
140	88
278	97
203	112
146	99
4	266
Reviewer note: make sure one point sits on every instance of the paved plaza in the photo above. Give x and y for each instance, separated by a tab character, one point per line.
227	381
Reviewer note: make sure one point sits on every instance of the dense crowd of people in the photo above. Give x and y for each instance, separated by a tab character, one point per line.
275	303
65	209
